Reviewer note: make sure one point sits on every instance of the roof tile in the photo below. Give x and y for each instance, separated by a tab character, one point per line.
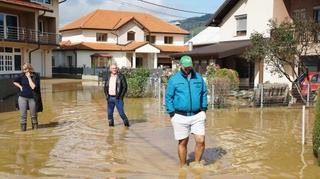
112	20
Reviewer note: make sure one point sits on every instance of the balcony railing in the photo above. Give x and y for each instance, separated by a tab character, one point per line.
21	34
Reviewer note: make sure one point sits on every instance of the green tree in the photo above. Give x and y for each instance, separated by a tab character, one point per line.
288	42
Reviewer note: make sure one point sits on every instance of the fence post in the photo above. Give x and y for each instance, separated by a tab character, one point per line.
212	96
261	95
303	125
308	94
163	95
159	91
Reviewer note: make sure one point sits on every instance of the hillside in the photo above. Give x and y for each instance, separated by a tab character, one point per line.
194	24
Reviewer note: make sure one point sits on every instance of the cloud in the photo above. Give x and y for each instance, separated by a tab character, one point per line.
74	9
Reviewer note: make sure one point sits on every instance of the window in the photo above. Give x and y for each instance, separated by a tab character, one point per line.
17	62
12	27
10	59
1	26
151	39
139	62
102	37
299	14
8	27
40	27
42	1
317	19
131	36
53	60
69	60
241	25
168	40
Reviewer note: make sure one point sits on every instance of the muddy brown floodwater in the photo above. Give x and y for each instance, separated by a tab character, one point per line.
74	141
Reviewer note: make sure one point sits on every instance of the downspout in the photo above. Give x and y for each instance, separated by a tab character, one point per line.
38	36
75	59
115	31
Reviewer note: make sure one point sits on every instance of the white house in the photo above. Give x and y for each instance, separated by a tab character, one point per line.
237	20
131	39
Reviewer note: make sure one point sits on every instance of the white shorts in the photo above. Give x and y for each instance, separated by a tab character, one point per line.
184	125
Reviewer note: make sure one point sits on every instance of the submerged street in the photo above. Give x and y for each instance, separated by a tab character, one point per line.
74	140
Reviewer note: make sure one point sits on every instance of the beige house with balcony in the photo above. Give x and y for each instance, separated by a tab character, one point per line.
130	39
28	33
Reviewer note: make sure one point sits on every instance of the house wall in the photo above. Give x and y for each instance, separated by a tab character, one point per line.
256	20
305	4
131	26
84	58
76	36
177	39
280	11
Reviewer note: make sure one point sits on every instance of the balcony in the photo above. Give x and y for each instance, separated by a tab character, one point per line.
20	34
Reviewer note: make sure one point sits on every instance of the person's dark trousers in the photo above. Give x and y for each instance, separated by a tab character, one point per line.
114	102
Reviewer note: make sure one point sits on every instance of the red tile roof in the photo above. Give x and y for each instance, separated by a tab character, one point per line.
112	20
98	46
172	48
27	4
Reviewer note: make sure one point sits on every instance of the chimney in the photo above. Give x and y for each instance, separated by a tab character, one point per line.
190	45
177	23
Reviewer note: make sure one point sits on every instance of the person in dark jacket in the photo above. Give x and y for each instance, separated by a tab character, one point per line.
29	96
115	88
186	103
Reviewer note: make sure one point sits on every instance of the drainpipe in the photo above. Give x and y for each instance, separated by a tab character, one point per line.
75	59
38	35
115	31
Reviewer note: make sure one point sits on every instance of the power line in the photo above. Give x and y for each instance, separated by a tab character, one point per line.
151	10
172	8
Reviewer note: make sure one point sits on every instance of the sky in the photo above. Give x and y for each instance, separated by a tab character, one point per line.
74	9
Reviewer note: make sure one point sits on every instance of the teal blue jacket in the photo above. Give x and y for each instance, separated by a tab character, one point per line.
186	95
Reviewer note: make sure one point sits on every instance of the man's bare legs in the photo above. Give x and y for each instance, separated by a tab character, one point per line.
182	151
199	148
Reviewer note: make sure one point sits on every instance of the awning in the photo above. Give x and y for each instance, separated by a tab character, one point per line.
102	55
218	50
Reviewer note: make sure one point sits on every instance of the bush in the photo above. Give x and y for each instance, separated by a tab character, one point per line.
223	80
137	80
316	127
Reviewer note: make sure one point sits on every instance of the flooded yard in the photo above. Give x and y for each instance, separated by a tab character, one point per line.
74	140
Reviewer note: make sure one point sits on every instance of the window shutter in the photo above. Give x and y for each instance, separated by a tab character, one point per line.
241	23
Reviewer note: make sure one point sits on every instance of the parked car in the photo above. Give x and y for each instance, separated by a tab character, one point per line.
314	79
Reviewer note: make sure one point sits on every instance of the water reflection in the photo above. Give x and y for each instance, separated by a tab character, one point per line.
116	152
74	140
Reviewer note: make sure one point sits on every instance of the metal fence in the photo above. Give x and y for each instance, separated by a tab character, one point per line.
67	70
263	95
22	34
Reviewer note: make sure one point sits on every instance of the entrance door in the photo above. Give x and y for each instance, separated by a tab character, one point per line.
12	26
139	62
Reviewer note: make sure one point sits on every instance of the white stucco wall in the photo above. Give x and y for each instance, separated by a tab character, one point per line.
41	62
177	39
84	58
147	49
131	26
270	77
256	20
87	36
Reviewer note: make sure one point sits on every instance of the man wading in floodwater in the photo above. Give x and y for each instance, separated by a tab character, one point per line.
115	87
186	102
